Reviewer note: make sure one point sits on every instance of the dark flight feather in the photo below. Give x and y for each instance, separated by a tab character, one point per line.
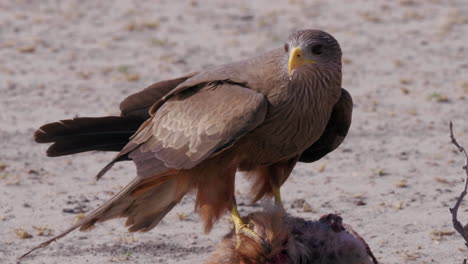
87	133
335	132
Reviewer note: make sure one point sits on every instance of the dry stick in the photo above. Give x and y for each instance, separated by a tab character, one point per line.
456	224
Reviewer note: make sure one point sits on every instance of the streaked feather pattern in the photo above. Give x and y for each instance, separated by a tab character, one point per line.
183	133
200	128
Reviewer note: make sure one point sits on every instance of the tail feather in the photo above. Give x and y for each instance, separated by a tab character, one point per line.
110	133
115	142
143	206
110	165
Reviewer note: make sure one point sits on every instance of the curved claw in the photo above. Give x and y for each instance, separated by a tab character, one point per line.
242	228
253	235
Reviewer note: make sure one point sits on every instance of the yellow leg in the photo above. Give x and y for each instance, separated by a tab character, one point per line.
277	195
240	227
236	218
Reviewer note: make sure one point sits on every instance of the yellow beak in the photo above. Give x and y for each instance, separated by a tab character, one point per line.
296	60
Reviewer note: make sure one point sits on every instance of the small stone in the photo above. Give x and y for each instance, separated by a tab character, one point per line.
402	183
307	208
22	234
26	49
361	203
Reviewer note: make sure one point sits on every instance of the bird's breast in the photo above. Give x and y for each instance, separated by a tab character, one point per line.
290	127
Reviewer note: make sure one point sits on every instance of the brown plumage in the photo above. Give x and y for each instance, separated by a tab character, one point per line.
258	115
294	240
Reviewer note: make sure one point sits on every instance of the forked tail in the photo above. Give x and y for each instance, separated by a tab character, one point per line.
144	202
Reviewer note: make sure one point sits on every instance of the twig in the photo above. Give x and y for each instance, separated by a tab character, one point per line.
454	211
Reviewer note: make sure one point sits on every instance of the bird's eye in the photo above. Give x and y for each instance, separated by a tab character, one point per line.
286	47
317	49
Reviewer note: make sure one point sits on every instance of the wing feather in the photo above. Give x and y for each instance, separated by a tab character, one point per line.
139	103
335	132
186	130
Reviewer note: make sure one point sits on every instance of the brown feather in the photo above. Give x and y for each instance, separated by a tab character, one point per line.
335	132
184	132
82	134
293	240
270	226
143	206
244	115
139	103
110	133
265	177
215	189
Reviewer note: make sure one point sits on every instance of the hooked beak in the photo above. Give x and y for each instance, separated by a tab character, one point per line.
296	60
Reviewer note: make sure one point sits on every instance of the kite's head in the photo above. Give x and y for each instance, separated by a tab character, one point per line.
312	48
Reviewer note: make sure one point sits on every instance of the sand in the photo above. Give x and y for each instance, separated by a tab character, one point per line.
393	179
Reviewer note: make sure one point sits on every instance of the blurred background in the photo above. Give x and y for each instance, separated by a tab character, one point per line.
405	63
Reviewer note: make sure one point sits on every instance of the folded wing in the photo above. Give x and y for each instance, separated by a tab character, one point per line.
335	132
194	124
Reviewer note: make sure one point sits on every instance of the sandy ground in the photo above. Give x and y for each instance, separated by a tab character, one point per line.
393	180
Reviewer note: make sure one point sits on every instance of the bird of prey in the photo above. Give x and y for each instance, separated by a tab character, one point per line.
260	115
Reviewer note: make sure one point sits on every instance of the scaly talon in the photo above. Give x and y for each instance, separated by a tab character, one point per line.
277	195
240	227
